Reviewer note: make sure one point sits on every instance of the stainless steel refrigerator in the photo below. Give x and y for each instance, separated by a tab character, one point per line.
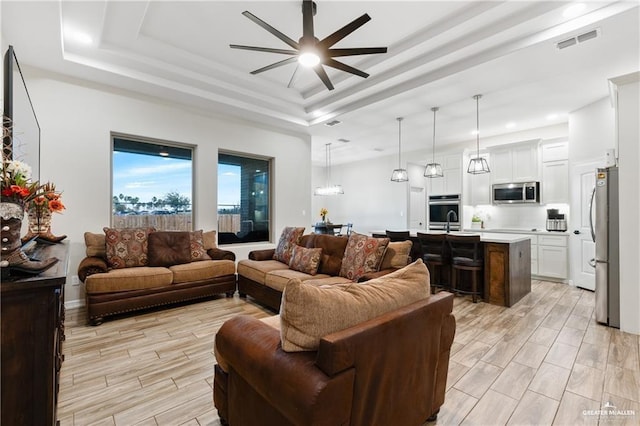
605	229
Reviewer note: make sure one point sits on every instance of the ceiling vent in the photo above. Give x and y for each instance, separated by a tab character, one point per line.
332	123
343	140
578	39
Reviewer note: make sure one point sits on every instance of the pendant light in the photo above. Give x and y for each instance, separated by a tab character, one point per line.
399	174
433	169
478	165
328	188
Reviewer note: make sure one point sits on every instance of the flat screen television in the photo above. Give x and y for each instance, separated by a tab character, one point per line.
21	129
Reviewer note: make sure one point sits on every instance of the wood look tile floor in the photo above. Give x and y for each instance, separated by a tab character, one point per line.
544	361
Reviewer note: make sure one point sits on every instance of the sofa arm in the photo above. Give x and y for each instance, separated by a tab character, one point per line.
371	275
91	265
290	382
219	254
266	254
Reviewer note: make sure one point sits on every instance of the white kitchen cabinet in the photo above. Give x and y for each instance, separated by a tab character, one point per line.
552	256
534	255
480	185
555	182
518	163
451	182
555	151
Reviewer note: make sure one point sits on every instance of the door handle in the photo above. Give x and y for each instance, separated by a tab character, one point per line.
592	262
593	233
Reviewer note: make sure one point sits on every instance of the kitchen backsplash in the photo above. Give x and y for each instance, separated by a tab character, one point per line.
512	217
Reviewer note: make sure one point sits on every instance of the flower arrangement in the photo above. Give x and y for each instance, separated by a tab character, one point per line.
323	214
15	183
48	201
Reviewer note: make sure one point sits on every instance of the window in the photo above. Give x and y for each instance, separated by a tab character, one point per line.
151	185
243	199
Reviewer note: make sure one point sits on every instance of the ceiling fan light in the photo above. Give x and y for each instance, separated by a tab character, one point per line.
399	175
309	59
433	170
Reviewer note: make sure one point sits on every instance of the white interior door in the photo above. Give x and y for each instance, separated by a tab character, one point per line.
581	245
417	206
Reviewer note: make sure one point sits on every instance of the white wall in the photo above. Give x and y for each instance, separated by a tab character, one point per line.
628	138
77	119
591	132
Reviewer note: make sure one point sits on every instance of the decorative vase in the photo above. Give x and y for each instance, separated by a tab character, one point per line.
40	225
12	256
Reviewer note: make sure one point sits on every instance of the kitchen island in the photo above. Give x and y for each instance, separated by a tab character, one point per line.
507	264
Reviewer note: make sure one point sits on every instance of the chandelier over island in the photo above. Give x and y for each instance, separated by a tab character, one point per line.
433	169
329	188
399	174
479	164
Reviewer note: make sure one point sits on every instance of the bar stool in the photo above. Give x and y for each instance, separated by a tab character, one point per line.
435	254
466	255
398	235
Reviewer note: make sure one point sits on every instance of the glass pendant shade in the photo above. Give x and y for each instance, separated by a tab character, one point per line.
433	169
328	188
478	165
399	174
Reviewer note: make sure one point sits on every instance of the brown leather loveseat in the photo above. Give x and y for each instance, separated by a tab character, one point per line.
390	369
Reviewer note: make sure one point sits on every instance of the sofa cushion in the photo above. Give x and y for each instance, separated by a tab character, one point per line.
126	247
363	254
198	250
397	255
305	259
256	270
203	270
96	245
167	248
332	251
127	279
210	240
327	281
309	313
279	278
288	240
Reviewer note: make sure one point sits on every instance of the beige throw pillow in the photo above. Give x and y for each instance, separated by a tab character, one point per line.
397	255
96	245
308	313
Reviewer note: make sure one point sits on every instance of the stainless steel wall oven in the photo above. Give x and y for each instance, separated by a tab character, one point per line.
443	209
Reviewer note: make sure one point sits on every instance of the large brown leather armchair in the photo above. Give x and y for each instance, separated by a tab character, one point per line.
389	370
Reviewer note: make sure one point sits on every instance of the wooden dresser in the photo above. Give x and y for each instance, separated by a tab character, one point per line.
32	322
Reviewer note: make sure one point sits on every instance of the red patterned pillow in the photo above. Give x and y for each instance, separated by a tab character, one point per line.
288	240
362	255
126	247
198	252
305	259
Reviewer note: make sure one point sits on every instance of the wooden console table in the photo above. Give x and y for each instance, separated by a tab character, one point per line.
32	323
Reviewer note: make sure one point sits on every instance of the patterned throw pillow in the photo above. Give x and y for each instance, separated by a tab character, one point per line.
126	247
305	259
198	252
362	255
288	240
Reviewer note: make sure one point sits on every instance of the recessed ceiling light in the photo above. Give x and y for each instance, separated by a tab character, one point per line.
474	132
573	10
552	116
510	125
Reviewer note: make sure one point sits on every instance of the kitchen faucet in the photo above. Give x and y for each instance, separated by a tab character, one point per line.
455	217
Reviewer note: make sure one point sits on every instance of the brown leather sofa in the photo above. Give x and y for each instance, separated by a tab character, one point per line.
111	291
263	278
389	370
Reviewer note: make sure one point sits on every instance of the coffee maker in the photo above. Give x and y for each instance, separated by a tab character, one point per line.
556	221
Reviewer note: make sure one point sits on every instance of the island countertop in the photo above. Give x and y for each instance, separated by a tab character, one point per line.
487	237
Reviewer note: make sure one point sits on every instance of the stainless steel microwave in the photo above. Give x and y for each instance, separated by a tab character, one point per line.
514	193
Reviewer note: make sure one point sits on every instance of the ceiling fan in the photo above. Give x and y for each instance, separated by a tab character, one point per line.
311	52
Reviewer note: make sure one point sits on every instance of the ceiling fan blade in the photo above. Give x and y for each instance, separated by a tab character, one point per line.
272	30
307	20
344	31
275	65
264	49
294	77
323	76
344	67
356	51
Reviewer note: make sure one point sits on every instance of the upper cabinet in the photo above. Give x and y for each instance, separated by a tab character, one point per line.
517	163
555	173
451	182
